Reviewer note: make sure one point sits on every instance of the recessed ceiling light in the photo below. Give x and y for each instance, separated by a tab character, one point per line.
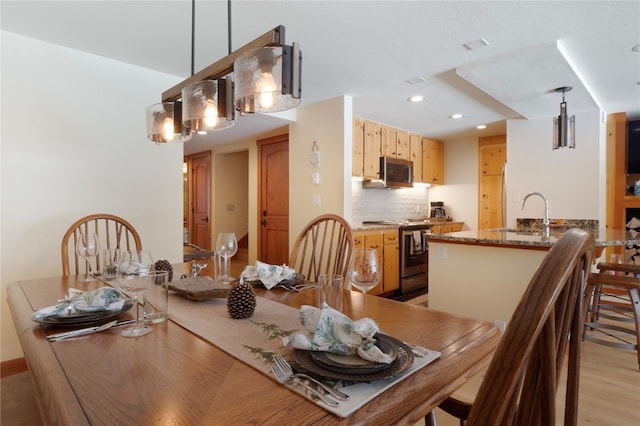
417	80
475	44
481	126
416	98
636	48
456	116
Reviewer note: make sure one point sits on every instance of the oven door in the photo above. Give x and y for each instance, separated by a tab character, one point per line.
414	253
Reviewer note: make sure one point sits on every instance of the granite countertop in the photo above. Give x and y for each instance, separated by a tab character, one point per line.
388	226
533	237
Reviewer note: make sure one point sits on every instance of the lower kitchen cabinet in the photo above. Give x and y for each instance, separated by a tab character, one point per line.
446	227
388	246
391	261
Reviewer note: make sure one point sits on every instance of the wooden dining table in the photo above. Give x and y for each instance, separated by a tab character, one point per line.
174	377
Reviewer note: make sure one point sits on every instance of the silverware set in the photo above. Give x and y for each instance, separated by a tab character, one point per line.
283	372
84	331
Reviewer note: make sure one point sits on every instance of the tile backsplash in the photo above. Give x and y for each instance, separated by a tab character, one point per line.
386	204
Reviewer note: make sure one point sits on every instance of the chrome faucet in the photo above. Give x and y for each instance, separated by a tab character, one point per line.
545	220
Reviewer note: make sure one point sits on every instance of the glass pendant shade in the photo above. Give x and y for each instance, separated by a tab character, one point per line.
207	105
267	80
164	123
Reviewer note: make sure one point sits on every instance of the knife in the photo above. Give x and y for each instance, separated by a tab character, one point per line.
83	331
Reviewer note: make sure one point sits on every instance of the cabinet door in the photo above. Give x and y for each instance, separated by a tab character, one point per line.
371	169
415	143
357	140
391	261
388	137
432	161
492	155
374	241
403	150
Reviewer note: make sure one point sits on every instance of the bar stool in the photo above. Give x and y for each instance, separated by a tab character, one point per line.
613	294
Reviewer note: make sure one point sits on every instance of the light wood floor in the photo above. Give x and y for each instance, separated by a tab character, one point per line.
609	389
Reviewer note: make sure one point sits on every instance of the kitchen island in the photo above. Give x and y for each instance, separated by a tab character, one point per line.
482	274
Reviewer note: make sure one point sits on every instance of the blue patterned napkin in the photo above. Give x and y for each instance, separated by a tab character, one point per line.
269	275
78	302
332	331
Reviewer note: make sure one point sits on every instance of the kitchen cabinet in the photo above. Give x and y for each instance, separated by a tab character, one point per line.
432	161
403	150
415	155
372	149
492	154
357	147
388	246
443	228
391	261
388	141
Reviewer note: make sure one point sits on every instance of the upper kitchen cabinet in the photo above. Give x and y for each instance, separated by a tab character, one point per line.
372	150
388	138
415	155
357	147
432	161
403	149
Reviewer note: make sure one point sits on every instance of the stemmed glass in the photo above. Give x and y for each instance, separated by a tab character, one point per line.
87	247
226	247
364	271
133	271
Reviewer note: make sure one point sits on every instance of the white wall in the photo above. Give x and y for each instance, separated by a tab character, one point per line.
460	191
329	124
571	179
73	143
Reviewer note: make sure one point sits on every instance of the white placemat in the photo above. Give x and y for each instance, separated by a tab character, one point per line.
255	339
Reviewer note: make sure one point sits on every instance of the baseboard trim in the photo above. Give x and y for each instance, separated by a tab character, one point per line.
12	366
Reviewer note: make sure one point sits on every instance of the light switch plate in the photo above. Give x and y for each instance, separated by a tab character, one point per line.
315	178
316	200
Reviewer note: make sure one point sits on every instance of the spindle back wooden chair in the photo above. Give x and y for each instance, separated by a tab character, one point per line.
614	294
112	232
520	384
324	246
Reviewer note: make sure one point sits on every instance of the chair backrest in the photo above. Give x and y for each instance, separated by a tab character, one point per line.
324	246
520	385
112	232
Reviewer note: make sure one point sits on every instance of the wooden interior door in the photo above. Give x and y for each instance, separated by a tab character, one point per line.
200	199
273	172
492	157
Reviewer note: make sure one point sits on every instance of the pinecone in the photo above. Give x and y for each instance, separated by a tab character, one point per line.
164	265
241	301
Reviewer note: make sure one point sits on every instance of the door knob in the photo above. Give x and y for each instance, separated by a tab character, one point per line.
206	219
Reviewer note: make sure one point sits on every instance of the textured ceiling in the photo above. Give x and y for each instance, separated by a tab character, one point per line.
369	49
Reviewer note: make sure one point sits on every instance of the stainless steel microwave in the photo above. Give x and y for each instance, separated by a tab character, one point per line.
394	173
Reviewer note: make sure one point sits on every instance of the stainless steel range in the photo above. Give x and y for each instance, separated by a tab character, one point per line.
414	257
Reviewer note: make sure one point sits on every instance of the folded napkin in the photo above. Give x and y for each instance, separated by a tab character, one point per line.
77	301
269	275
332	331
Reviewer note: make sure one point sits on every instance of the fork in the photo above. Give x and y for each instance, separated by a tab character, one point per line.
288	372
281	375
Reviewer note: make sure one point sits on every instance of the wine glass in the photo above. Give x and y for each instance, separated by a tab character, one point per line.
87	247
226	247
364	271
133	272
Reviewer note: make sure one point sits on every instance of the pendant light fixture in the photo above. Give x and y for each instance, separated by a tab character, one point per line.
264	75
564	134
164	123
268	79
208	104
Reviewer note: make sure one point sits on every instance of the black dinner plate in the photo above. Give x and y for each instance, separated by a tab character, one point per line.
84	319
403	361
353	364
